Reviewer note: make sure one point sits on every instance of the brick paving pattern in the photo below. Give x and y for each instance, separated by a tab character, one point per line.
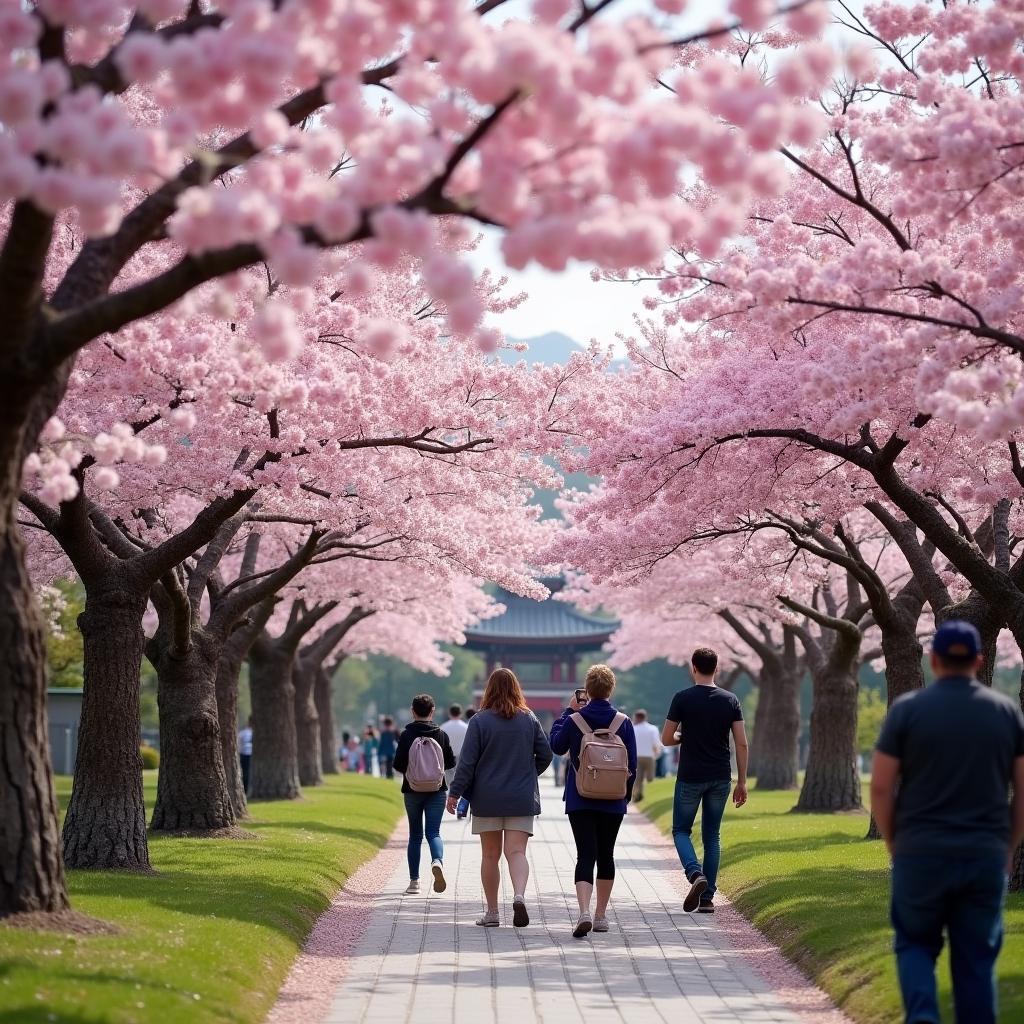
422	960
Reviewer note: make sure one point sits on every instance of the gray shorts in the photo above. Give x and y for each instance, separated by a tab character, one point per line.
520	824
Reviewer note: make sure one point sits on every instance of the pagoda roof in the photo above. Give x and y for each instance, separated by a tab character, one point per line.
526	622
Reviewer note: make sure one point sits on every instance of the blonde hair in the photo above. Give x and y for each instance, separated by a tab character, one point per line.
600	681
503	695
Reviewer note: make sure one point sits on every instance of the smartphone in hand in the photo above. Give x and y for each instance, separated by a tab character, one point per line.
581	695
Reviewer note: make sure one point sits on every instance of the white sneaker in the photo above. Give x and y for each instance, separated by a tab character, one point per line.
414	887
439	883
583	926
489	919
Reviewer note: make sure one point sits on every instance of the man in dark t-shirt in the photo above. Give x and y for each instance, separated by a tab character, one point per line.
943	768
701	720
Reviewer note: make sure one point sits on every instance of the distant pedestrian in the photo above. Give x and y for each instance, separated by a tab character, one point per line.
353	755
595	819
455	729
648	750
370	746
946	760
245	752
700	721
504	752
423	755
388	744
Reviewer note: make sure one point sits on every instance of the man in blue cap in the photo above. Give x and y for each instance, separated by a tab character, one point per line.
944	765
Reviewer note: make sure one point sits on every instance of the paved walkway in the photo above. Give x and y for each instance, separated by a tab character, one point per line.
384	958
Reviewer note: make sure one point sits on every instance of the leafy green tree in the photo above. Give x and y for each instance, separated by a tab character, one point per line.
62	603
871	710
365	689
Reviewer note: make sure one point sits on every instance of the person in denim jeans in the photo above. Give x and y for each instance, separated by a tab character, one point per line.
700	720
424	810
945	761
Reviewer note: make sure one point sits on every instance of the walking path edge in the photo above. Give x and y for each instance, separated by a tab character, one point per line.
343	934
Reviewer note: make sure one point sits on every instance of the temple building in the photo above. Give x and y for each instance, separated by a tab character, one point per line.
541	641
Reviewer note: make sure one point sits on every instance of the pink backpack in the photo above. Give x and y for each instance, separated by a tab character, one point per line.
426	765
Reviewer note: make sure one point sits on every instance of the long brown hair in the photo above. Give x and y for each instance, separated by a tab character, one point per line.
503	695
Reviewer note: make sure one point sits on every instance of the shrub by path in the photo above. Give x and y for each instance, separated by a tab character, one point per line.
209	937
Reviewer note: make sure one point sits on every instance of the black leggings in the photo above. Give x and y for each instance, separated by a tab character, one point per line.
595	833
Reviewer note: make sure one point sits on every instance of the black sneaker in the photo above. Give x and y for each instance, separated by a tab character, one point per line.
706	907
698	885
520	918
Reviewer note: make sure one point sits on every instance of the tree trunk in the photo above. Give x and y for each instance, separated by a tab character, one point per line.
274	772
229	668
979	612
903	673
31	871
831	782
903	653
105	825
307	725
328	732
192	793
762	716
779	726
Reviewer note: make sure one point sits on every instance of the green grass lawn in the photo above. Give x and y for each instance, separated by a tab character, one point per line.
211	935
815	886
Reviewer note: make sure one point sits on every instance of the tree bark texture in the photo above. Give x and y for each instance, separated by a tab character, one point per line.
328	731
980	613
31	870
762	716
831	781
307	724
229	668
779	729
274	771
105	825
192	792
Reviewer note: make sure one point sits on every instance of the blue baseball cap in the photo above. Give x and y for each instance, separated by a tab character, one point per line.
956	639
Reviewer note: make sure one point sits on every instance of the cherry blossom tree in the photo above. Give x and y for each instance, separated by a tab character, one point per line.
714	595
403	612
151	148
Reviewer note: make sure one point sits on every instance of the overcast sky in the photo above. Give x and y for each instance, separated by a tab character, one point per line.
570	302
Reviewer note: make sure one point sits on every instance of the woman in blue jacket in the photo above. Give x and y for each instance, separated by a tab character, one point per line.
595	823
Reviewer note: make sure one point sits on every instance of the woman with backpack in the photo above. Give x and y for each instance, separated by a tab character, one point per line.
422	757
504	752
598	784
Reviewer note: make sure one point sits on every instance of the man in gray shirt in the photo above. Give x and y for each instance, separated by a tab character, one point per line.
944	765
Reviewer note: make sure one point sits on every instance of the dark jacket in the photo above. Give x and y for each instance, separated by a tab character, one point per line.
388	744
566	738
499	763
412	731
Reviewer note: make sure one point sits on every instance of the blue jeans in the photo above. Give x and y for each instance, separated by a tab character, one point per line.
963	895
710	799
420	807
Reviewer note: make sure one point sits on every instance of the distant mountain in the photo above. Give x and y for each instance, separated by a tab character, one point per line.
553	347
550	348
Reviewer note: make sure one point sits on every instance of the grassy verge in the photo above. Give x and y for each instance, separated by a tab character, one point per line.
211	936
817	888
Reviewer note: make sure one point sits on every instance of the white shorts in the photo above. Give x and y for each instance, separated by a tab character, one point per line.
520	824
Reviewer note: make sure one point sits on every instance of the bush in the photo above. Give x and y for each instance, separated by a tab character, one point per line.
150	756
